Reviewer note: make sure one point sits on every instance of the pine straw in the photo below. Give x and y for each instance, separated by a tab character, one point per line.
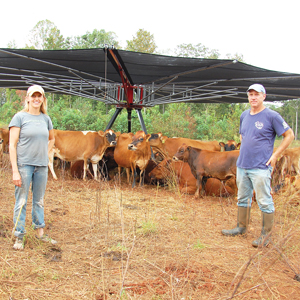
145	243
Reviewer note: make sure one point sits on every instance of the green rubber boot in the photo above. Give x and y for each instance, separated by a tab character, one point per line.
243	219
267	224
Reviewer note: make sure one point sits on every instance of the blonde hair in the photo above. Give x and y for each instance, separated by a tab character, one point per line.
43	107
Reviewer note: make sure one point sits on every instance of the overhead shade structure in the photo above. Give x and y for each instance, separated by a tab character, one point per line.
134	80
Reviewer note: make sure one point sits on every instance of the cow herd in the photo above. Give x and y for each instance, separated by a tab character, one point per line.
198	167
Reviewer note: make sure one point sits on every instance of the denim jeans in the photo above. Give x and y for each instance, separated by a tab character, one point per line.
260	181
37	177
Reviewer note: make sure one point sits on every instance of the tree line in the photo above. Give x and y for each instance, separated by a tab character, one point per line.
218	121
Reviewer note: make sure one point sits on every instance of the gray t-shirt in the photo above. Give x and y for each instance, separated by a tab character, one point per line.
32	147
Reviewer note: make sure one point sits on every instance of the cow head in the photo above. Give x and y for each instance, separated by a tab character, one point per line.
157	140
182	153
111	137
162	170
229	146
139	141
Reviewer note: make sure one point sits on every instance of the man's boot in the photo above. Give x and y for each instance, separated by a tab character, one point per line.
267	224
243	219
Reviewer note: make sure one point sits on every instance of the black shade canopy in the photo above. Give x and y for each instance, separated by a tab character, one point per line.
156	79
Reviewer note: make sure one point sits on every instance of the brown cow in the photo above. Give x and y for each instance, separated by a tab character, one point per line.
293	160
4	140
133	151
215	187
230	145
106	165
176	170
205	163
81	145
169	169
168	146
77	167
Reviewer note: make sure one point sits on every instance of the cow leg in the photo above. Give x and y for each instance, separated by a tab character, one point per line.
84	169
142	177
95	170
134	177
128	174
119	173
199	187
50	164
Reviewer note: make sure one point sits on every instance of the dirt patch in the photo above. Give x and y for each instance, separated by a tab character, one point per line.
115	242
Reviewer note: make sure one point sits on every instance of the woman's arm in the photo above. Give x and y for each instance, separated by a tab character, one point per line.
51	140
14	134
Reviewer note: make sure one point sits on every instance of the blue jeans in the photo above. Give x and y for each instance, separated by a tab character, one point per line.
258	180
37	177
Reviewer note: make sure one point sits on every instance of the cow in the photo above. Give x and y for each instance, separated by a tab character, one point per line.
293	160
181	172
175	171
230	145
108	164
168	146
133	151
205	163
4	140
105	166
76	170
81	145
215	187
1	148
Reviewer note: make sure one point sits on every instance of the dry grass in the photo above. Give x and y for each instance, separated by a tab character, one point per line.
145	243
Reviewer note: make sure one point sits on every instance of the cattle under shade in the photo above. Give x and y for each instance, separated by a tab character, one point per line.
135	80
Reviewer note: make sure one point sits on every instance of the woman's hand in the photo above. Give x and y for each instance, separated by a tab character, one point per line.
17	179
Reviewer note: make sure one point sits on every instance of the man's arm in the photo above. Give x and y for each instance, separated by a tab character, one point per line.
288	137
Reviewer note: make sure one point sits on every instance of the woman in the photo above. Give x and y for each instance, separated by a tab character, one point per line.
31	138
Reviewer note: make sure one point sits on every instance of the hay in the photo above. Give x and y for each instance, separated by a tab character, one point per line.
115	242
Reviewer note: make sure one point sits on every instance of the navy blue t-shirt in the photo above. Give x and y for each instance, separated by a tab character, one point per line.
258	136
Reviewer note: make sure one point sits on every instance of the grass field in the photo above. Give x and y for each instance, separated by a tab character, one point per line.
115	242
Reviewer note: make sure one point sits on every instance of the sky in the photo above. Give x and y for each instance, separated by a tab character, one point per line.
265	32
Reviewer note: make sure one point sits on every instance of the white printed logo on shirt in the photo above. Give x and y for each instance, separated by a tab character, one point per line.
285	125
259	125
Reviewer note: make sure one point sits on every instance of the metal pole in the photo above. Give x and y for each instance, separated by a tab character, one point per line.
139	113
112	120
129	110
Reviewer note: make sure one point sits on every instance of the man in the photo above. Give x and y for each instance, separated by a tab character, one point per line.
258	128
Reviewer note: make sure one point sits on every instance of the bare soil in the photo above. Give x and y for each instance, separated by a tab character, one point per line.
150	242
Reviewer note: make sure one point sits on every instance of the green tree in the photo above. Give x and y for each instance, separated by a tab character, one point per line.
12	44
95	39
290	112
45	36
196	51
12	102
236	56
142	42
